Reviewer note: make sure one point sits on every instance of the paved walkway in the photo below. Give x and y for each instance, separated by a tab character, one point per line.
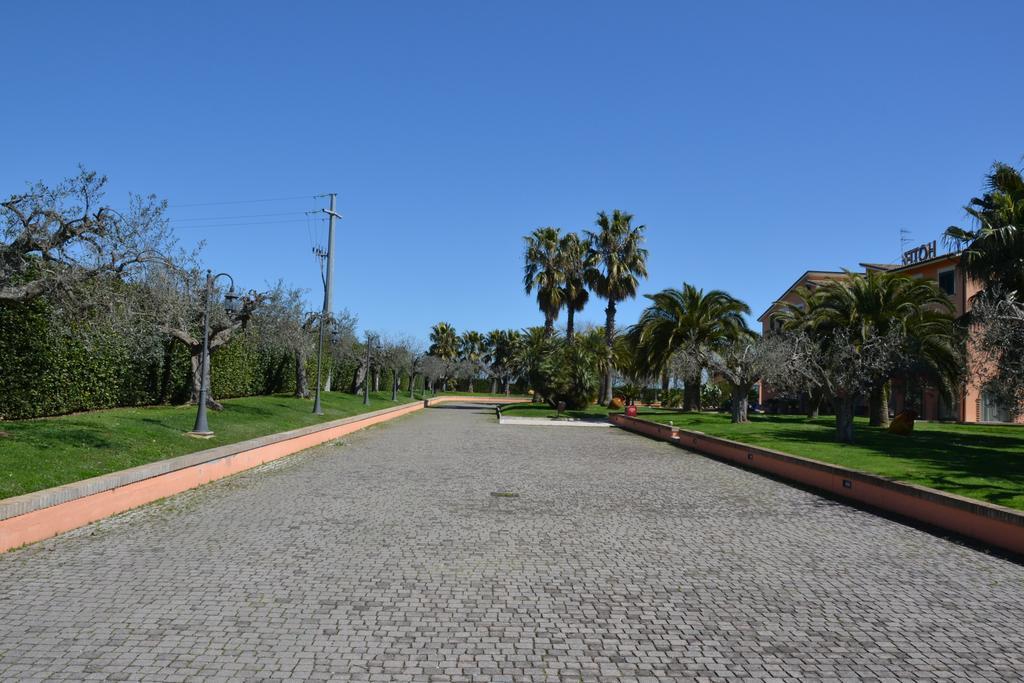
386	557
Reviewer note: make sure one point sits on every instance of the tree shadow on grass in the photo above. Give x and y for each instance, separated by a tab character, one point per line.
944	457
68	432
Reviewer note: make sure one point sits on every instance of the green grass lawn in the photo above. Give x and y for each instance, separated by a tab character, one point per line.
978	461
544	410
38	454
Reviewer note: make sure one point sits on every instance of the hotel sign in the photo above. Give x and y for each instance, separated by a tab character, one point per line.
919	254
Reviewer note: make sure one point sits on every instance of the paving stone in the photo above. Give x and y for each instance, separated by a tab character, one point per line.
384	557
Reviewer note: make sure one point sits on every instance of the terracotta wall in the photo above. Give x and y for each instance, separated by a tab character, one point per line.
55	518
992	524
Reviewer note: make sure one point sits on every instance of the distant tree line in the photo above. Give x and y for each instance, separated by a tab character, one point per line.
841	343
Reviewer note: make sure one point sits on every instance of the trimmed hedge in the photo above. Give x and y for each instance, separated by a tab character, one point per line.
45	370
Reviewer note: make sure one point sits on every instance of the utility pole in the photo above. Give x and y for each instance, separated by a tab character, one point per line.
329	285
317	410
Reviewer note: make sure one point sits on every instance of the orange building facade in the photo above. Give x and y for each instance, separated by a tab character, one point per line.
973	404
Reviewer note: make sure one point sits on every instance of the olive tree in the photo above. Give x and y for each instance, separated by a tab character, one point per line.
177	300
842	365
397	354
54	239
283	325
997	337
434	369
747	360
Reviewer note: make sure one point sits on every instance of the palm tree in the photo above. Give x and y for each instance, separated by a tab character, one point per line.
686	320
616	262
444	342
511	357
878	302
535	345
994	251
542	271
494	350
471	348
574	258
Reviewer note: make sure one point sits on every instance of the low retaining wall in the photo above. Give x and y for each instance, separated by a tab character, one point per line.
43	514
992	524
490	400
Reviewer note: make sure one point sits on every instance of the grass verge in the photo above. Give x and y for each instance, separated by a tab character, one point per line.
38	454
985	462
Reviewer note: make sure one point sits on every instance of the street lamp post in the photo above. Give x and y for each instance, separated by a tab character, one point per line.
232	303
366	379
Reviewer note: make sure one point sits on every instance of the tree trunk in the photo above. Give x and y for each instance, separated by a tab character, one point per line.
609	342
691	394
394	385
412	385
301	390
197	357
739	402
508	386
549	325
376	379
570	327
327	379
844	419
494	385
878	405
358	377
469	384
664	382
814	400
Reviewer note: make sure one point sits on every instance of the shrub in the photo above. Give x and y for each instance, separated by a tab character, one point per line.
673	398
568	373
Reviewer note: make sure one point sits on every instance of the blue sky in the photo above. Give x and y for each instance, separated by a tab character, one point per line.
755	140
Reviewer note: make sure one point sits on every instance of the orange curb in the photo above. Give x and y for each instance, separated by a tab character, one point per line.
994	525
58	518
474	399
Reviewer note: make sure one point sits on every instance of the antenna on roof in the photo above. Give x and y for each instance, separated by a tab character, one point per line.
904	241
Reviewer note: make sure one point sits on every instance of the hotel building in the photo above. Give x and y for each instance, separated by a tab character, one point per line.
972	405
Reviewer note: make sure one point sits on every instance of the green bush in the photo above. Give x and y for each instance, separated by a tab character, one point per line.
48	369
569	373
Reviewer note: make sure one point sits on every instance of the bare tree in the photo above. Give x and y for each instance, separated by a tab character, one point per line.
177	300
397	356
997	339
54	239
746	360
342	345
283	325
842	366
435	369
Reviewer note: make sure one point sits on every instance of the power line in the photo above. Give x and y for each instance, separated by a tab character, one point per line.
233	225
247	201
224	218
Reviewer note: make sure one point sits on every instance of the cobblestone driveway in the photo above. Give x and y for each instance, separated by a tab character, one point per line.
385	556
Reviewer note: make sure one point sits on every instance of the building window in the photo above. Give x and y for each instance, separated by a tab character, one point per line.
992	410
947	281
